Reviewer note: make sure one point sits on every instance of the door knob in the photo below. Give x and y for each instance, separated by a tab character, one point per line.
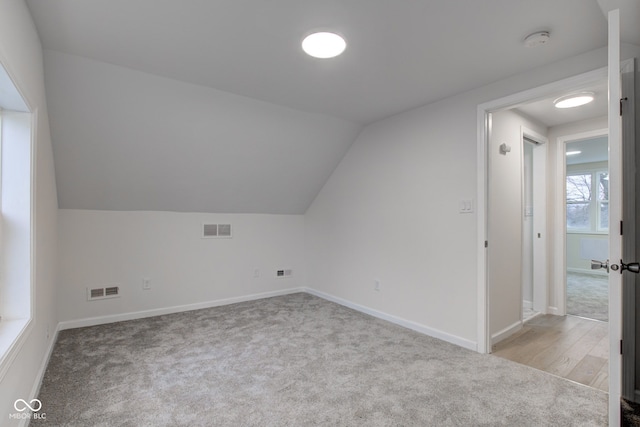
633	267
596	265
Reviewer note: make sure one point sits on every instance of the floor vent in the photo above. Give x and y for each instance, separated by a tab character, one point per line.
216	231
103	293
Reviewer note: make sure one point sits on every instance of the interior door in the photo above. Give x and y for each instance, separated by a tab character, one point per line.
630	241
621	206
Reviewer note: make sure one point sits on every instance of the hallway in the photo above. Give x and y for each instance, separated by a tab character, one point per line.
567	346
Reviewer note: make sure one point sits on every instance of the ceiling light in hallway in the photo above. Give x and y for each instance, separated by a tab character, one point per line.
575	100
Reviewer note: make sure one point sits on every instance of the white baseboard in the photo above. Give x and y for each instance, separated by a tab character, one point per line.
506	332
100	320
462	342
527	304
553	310
92	321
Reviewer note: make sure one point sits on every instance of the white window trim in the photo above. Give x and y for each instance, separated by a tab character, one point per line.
594	203
15	332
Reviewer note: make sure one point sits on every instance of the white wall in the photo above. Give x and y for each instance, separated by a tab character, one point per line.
128	140
506	220
21	55
575	262
108	248
390	210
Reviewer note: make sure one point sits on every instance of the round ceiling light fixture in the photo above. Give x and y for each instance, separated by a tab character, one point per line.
574	100
323	45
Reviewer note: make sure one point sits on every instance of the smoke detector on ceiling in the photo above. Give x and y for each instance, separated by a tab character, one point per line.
537	39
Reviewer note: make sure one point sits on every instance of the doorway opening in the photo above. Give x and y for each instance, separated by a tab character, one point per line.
586	192
522	322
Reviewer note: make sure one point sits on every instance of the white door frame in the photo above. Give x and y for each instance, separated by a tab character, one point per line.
560	218
484	129
539	242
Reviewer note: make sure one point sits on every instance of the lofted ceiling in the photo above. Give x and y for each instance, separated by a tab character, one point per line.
211	105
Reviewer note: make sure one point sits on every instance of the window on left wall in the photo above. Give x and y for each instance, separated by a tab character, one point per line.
16	230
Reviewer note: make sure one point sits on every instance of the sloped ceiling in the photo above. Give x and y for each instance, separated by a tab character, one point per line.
210	105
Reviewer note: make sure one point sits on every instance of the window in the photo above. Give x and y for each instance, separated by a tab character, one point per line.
16	161
588	201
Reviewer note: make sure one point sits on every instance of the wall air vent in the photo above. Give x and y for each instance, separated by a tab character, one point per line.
103	293
281	274
216	231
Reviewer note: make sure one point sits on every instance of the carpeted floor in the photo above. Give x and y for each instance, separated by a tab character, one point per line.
588	296
295	360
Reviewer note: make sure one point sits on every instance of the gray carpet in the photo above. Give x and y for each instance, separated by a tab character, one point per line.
588	296
296	360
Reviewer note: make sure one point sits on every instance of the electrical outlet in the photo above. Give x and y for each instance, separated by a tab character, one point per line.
146	283
376	285
256	273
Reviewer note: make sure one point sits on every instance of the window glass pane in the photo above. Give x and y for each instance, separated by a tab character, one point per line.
604	215
603	190
578	216
579	188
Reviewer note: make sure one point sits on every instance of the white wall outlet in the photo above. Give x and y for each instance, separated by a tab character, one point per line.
256	273
146	283
376	285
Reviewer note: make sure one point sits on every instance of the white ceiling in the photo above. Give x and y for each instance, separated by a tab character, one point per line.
211	105
400	54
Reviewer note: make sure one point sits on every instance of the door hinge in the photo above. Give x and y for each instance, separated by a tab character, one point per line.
621	228
620	346
621	101
486	243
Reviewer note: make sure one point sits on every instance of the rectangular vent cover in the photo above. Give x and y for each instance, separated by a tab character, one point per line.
284	273
103	293
216	231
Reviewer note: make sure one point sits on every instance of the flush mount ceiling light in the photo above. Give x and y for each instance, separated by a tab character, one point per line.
323	45
573	153
575	100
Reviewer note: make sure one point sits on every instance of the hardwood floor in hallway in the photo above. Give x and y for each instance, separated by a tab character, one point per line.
567	346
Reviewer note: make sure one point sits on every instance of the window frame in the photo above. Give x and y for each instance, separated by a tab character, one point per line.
594	202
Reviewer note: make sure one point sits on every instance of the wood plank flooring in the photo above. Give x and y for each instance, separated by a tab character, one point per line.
567	346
